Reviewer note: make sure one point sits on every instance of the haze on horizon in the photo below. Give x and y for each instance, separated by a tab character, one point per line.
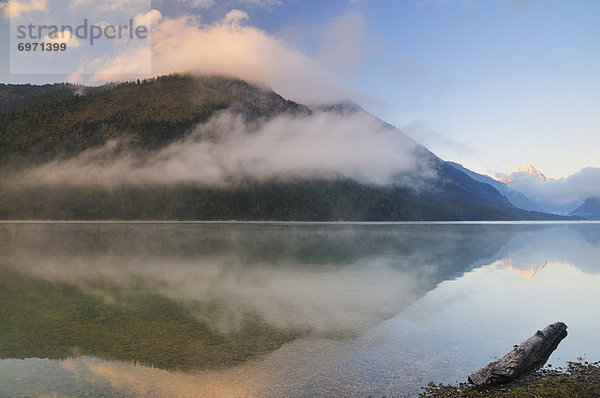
490	85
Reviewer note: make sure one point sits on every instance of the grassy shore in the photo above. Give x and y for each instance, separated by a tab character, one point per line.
578	380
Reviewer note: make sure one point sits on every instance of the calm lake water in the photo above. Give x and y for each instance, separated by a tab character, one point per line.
273	310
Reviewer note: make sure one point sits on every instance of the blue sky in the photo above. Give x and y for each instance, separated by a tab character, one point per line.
490	84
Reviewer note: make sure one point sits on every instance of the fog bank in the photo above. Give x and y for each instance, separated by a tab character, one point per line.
226	151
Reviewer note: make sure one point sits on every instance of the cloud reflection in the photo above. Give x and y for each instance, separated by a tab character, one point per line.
386	306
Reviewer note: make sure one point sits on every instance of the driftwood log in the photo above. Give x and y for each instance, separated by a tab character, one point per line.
526	357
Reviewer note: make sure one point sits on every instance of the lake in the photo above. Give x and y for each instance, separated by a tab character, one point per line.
283	309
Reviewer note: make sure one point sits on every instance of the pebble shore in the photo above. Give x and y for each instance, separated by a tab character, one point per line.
577	380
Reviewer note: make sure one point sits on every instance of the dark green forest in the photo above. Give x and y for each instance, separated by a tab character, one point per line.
339	200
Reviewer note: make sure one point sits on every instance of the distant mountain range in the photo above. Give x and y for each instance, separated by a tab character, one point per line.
515	197
506	186
41	125
521	180
590	209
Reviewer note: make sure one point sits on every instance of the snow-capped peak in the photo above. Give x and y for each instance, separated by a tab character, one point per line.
525	171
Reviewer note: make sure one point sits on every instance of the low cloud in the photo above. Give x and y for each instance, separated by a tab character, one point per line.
228	47
581	185
322	145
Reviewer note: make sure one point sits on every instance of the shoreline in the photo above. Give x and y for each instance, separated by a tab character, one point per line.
578	379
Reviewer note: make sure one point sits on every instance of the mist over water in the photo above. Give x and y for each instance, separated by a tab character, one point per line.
284	309
336	279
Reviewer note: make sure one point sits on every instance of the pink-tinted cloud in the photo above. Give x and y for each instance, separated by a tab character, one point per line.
231	48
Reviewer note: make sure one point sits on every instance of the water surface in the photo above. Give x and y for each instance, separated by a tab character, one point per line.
253	309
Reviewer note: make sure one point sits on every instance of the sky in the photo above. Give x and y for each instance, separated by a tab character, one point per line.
489	84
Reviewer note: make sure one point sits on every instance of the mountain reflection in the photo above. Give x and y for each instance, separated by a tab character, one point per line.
194	303
182	296
527	272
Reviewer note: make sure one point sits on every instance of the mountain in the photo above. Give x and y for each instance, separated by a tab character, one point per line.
151	114
556	207
15	96
524	180
141	119
515	197
590	209
525	171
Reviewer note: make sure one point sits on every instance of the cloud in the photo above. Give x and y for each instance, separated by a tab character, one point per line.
321	145
235	17
581	185
64	36
151	18
228	48
14	8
